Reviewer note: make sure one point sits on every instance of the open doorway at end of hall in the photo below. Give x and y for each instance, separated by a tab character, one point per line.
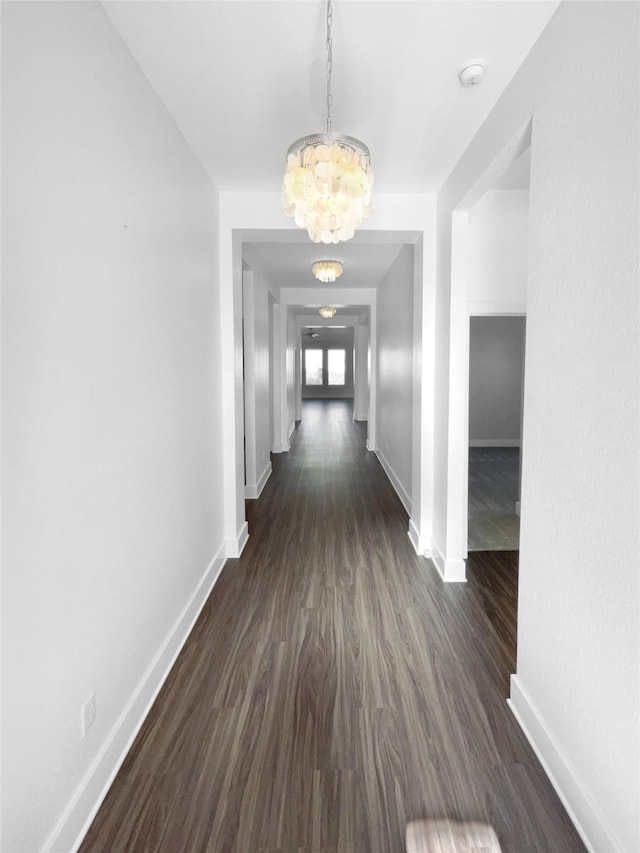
496	368
327	366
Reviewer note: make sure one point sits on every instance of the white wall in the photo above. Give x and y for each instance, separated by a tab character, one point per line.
394	412
576	690
290	377
257	372
496	354
262	332
272	361
248	372
361	358
111	445
498	233
275	380
285	334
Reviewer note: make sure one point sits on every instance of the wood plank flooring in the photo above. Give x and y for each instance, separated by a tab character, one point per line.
494	475
333	688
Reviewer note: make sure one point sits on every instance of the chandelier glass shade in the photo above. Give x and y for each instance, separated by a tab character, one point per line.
327	271
328	178
327	186
327	312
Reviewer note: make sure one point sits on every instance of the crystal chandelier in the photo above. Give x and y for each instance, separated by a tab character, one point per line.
328	179
327	271
327	312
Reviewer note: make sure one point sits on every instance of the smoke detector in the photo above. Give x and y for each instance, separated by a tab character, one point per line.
471	72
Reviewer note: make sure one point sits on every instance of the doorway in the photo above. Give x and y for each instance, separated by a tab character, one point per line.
489	267
496	372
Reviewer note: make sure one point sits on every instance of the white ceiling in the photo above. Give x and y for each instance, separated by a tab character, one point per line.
365	262
244	78
326	334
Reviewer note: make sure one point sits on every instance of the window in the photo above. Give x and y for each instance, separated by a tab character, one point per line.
325	367
313	367
336	366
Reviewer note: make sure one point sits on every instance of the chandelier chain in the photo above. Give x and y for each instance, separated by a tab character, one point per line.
329	63
328	177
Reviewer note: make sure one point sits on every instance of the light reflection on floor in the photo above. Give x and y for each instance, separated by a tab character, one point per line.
493	492
448	836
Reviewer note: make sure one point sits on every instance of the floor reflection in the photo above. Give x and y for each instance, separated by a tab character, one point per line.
448	836
493	492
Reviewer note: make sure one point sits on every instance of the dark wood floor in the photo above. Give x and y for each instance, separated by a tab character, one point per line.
333	688
494	486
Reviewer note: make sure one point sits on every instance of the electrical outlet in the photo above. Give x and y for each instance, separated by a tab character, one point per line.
88	714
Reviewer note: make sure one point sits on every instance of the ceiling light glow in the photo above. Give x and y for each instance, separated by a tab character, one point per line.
327	312
327	271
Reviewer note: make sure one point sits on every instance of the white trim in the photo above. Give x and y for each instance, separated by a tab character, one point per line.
583	811
461	308
455	535
262	481
235	546
278	448
292	429
482	308
370	447
249	384
77	817
254	490
395	481
451	571
494	442
421	544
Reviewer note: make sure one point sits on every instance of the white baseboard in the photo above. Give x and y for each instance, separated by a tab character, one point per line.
278	448
451	571
370	447
88	796
253	491
583	811
421	544
235	546
494	442
395	481
262	481
292	429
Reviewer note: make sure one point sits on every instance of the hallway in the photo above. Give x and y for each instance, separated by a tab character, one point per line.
333	687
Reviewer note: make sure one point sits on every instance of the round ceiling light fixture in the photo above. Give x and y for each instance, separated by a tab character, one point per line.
327	271
327	312
471	73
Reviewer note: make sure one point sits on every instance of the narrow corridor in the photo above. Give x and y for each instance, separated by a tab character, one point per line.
334	688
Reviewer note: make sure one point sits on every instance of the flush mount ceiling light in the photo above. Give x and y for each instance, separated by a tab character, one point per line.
328	178
327	312
327	271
